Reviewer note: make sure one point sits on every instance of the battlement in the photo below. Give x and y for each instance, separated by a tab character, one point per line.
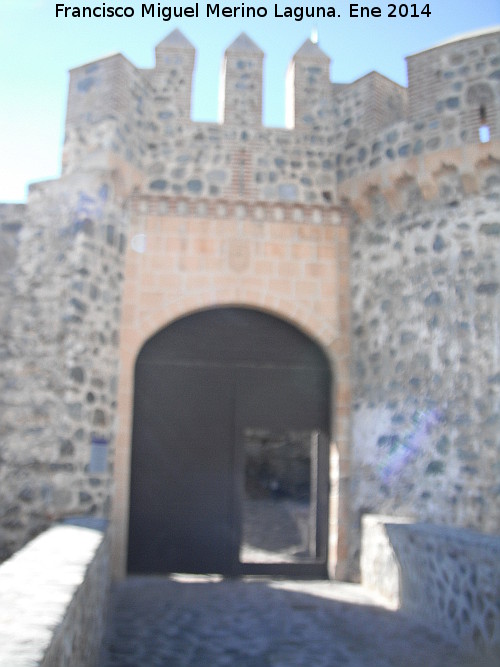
435	76
142	116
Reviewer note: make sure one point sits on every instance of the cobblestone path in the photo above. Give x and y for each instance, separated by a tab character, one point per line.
187	621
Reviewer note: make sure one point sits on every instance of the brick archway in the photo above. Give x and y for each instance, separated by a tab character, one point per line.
160	288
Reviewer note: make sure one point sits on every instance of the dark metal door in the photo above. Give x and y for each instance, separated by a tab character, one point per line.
199	383
180	517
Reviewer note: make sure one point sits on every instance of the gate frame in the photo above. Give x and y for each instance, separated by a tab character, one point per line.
336	351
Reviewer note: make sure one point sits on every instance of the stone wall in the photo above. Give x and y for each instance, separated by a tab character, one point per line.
448	86
426	313
59	368
53	599
445	577
450	578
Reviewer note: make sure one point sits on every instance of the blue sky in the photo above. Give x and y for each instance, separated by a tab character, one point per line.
37	50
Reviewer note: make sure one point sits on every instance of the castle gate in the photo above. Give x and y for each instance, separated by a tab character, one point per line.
230	448
183	285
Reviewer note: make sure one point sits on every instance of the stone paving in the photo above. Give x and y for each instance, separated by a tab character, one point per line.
194	621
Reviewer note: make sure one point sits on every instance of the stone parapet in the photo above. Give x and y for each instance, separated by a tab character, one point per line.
450	579
53	598
445	577
379	565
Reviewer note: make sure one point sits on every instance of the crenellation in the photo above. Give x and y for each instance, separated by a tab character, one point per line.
98	90
172	77
368	125
307	86
105	106
366	106
240	102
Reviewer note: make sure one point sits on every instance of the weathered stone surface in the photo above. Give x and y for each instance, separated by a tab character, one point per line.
449	578
436	332
443	577
46	434
53	599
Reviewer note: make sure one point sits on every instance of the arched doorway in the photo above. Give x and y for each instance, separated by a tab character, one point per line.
231	430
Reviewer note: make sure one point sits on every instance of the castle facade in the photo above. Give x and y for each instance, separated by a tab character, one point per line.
365	236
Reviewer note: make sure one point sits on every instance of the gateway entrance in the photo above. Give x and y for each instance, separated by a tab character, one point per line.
230	443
